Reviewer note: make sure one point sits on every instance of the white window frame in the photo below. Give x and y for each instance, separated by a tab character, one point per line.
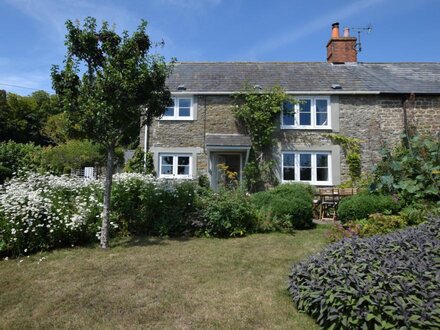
312	125
314	180
176	100
175	166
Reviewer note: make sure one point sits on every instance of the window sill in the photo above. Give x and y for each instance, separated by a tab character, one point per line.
177	119
307	128
175	177
317	183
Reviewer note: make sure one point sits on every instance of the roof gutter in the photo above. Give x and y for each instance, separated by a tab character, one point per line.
287	92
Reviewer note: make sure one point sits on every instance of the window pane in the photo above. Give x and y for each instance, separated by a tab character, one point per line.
184	103
305	118
184	112
288	119
166	169
183	170
167	160
321	106
169	112
289	173
288	114
288	107
321	113
183	160
304	106
305	112
322	167
289	160
305	160
322	174
183	165
166	165
305	174
321	160
305	163
321	119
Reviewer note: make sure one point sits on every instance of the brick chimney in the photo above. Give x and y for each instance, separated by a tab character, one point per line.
341	49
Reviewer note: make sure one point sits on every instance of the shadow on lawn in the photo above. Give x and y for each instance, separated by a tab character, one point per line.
147	241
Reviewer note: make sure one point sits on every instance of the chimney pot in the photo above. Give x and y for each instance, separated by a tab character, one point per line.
335	30
346	32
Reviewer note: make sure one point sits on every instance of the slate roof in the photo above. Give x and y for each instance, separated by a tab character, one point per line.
208	77
231	140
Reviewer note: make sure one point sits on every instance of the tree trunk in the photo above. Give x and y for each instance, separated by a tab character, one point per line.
107	197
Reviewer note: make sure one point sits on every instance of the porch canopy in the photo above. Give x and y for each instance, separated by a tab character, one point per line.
228	142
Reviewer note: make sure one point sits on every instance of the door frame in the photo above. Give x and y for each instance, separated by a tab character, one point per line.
213	162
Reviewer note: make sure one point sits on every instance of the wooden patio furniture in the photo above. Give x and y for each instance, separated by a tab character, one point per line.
329	199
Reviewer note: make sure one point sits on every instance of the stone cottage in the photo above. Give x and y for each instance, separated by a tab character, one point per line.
374	102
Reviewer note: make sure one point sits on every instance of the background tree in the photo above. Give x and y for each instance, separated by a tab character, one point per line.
22	118
108	82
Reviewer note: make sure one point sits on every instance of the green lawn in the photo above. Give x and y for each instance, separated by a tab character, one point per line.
160	283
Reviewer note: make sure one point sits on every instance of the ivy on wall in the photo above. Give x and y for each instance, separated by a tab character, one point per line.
352	150
258	111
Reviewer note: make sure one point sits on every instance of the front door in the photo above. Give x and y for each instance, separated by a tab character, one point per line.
227	170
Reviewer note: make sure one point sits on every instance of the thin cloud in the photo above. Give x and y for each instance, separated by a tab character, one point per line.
53	14
317	24
25	83
190	4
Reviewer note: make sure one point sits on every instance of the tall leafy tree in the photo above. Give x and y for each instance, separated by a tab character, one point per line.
108	83
22	118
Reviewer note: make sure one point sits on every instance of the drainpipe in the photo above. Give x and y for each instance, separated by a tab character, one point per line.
204	124
407	103
145	145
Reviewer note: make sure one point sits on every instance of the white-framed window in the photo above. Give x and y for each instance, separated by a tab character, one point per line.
309	113
182	109
303	166
175	166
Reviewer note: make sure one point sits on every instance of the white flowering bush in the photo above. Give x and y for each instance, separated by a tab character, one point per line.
39	212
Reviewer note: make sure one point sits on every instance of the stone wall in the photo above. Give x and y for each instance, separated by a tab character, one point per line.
375	119
379	121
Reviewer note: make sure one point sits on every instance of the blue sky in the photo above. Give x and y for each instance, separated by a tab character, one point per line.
218	30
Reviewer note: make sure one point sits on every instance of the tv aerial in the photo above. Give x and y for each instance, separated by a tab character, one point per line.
360	30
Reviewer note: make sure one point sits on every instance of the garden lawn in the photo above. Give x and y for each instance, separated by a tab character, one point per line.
160	283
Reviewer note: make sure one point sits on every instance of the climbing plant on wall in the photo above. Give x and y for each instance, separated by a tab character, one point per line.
258	111
352	150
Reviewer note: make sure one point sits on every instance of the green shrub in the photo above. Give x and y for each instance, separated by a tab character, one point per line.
360	206
296	210
295	190
173	212
226	213
414	214
381	282
378	223
411	171
288	206
17	157
142	205
72	155
5	173
141	162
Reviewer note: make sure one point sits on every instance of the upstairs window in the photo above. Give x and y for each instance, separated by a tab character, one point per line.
181	109
311	167
175	166
308	113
